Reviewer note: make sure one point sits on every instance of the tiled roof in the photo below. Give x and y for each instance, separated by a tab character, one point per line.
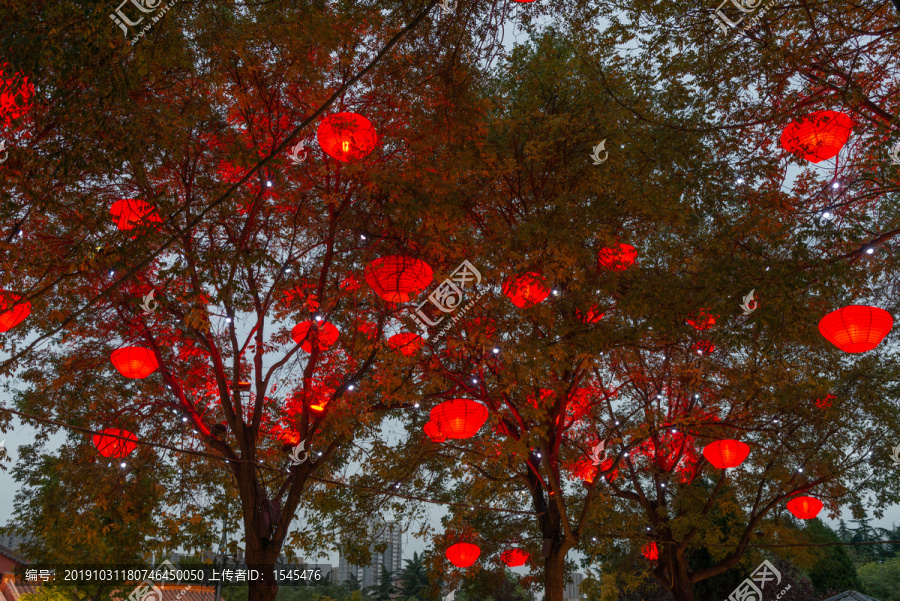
851	596
7	552
11	591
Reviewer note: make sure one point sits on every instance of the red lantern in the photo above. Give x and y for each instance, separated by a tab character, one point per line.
307	333
593	315
703	320
514	557
12	313
804	508
703	347
134	362
109	445
526	290
462	555
726	453
130	212
407	343
397	279
459	418
856	328
817	137
347	136
650	551
433	431
826	402
617	258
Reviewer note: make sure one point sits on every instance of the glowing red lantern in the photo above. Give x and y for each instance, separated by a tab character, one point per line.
134	362
130	212
307	333
514	557
397	279
526	290
459	418
593	315
856	328
817	137
347	136
407	343
703	347
433	431
617	258
650	551
703	320
15	95
804	508
462	555
115	443
726	453
12	312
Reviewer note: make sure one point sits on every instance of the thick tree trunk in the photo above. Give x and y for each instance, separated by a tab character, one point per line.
681	585
555	573
265	588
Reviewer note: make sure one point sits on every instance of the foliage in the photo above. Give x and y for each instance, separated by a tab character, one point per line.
834	571
881	579
414	578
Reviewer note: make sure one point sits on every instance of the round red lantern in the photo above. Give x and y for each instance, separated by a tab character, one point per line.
407	343
650	551
307	333
462	555
347	136
12	312
397	279
460	418
817	137
804	508
115	443
130	212
592	315
514	557
726	453
702	321
433	431
134	362
526	290
703	347
856	328
617	258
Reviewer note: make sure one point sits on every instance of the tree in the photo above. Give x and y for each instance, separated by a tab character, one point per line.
834	572
881	579
352	582
385	587
414	578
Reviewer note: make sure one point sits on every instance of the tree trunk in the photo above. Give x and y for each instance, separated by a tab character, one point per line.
681	585
555	573
263	560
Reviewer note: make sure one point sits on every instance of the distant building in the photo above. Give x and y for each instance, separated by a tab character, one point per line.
391	558
14	541
9	559
573	581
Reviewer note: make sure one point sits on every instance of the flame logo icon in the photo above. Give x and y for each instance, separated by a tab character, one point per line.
596	456
896	456
749	305
894	154
295	455
295	153
4	151
147	307
447	7
597	149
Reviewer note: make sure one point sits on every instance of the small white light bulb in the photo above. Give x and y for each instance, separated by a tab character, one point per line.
416	405
836	185
740	180
555	292
869	251
351	387
827	215
496	351
122	465
268	184
184	419
617	422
